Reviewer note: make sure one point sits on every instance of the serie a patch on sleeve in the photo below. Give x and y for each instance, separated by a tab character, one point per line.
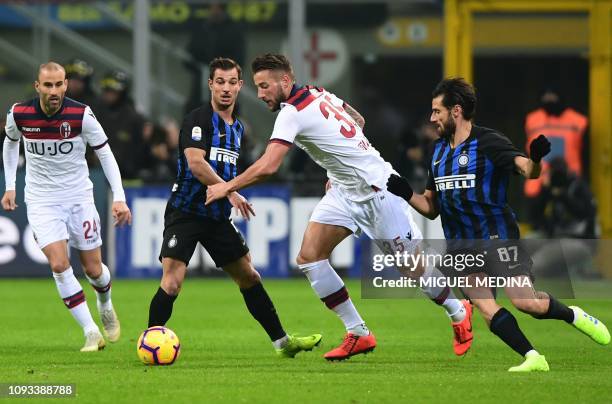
196	133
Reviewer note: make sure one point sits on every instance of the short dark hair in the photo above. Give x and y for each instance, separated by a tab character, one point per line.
223	64
457	91
272	61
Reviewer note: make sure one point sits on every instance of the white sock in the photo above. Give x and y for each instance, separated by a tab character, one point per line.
330	289
351	318
281	342
443	296
71	292
531	352
102	285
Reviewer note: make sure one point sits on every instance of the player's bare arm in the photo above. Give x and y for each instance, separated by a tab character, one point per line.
527	167
425	203
267	165
359	119
121	213
8	200
196	158
530	167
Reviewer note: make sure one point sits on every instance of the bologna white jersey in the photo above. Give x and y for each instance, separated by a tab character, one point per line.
315	120
56	169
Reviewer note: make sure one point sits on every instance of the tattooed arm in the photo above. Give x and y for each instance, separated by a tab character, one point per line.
360	120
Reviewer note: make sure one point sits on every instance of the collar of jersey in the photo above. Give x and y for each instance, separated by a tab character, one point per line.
294	91
234	115
42	113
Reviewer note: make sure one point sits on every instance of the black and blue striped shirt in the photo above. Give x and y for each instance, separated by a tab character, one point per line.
204	129
470	182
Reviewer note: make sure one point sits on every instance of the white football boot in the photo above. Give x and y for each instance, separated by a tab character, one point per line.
94	341
112	328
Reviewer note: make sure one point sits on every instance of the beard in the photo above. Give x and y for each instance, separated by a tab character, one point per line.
276	101
449	128
221	106
52	109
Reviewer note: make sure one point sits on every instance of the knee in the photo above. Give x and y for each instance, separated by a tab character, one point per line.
249	279
93	269
172	279
306	257
59	265
171	285
301	259
414	272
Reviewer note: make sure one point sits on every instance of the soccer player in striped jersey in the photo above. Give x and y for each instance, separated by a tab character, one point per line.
209	145
468	178
58	193
330	131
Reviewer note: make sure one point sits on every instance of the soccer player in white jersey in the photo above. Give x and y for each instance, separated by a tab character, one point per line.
58	193
330	131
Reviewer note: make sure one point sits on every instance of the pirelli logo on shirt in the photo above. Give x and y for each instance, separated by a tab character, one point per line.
223	155
460	181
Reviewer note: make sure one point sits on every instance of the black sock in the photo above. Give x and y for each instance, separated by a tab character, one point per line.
504	325
262	309
160	309
557	311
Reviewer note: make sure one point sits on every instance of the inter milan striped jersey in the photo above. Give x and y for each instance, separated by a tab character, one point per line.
204	129
56	169
315	120
470	182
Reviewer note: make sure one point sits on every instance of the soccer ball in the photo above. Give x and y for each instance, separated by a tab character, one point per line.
158	346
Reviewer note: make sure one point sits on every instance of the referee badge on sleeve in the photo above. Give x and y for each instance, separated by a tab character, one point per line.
196	133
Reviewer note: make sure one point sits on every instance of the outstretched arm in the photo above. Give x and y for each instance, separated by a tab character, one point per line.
267	165
424	203
202	170
530	167
196	160
527	167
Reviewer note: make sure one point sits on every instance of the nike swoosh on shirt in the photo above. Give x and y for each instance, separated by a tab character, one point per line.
437	162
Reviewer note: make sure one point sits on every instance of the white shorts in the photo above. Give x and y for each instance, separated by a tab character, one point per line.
386	218
77	223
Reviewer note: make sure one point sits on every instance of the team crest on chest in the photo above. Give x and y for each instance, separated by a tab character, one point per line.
463	160
65	130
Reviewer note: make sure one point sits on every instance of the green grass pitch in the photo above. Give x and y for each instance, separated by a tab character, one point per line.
227	357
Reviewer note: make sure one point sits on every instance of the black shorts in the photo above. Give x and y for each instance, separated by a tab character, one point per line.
183	231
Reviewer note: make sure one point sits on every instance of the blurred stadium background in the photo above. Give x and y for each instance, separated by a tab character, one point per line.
141	64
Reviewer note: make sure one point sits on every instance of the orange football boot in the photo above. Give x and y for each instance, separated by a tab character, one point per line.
352	345
462	341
